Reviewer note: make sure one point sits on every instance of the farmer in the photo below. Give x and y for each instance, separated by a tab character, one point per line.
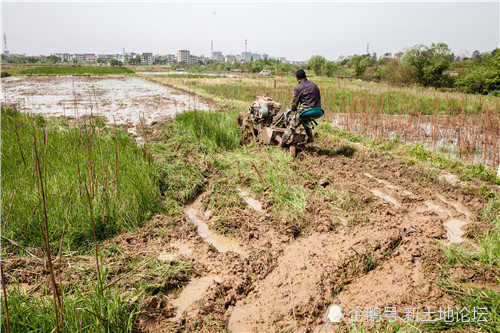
306	93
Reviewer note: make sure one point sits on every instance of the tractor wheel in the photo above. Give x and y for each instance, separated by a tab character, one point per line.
293	150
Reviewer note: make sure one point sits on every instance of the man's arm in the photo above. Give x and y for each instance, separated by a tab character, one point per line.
295	99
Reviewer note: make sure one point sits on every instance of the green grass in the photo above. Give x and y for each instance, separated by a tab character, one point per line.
184	149
32	314
486	256
74	71
116	207
213	129
198	146
347	97
280	179
487	237
488	306
480	172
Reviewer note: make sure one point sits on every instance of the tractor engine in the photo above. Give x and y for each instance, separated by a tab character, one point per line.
263	110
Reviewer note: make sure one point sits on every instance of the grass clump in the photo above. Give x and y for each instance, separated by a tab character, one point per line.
489	240
88	311
75	71
479	171
75	160
161	277
184	151
213	129
485	258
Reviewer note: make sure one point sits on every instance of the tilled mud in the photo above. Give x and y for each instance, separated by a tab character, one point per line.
272	281
386	253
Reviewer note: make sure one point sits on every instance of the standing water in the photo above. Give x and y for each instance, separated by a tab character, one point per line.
124	99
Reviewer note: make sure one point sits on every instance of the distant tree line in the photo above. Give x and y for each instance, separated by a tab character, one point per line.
428	66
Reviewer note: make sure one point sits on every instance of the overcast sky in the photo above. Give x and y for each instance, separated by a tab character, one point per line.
295	30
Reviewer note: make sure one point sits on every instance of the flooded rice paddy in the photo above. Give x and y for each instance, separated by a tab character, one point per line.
124	99
473	138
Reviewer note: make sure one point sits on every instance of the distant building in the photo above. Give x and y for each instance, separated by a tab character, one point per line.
183	56
246	56
64	56
230	58
255	56
282	59
219	58
90	57
215	54
124	57
79	57
193	60
107	57
238	57
147	58
265	56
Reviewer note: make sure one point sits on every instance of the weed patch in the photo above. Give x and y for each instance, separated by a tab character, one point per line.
88	311
76	159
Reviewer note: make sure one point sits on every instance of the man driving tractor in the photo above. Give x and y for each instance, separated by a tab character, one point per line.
306	93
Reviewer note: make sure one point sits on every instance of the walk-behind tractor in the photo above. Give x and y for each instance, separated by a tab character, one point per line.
265	122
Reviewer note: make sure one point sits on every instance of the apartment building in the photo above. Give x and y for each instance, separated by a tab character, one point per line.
147	58
183	56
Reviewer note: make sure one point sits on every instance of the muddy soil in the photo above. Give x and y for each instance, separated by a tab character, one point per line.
267	279
126	100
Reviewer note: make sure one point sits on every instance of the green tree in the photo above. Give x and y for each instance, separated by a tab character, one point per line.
359	63
482	76
114	63
316	63
429	63
329	68
53	58
159	60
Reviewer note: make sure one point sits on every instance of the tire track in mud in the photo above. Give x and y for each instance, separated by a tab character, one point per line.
281	282
197	215
310	267
453	214
294	294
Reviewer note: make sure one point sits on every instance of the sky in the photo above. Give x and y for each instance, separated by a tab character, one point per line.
295	30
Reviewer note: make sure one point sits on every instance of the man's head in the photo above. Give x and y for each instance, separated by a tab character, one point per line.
300	74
